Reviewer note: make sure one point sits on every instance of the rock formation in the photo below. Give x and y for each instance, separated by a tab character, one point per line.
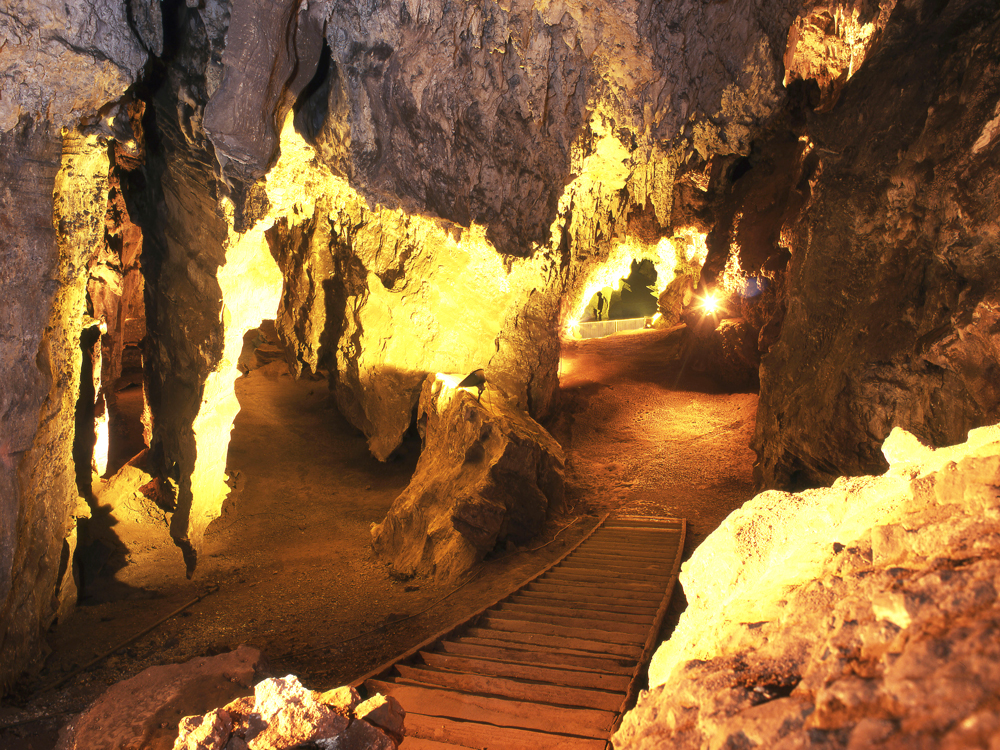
283	714
890	302
419	187
487	475
145	710
862	615
71	59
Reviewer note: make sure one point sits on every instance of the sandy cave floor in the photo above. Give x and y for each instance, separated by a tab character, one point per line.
289	567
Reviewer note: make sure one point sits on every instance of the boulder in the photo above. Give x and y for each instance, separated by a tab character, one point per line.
283	714
861	615
892	303
487	475
144	710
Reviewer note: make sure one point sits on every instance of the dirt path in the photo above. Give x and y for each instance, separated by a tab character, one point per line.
638	440
290	556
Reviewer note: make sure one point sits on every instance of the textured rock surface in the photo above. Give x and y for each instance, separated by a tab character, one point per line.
891	297
381	299
144	711
283	714
38	535
863	615
487	474
58	62
63	61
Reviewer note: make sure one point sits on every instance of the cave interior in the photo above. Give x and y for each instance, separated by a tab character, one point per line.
252	249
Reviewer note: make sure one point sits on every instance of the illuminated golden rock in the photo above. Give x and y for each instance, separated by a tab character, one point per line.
829	41
864	612
487	475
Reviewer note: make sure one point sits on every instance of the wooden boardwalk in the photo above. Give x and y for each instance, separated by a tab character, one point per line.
554	664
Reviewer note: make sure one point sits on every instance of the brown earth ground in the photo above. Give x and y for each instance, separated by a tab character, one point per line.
288	567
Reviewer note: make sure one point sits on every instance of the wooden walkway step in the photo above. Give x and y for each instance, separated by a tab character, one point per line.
553	665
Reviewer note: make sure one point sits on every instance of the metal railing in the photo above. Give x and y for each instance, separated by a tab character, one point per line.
597	328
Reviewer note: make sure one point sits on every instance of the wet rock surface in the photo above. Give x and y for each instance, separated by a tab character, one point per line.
856	616
487	475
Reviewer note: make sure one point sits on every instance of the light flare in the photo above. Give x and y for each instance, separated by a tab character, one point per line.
102	444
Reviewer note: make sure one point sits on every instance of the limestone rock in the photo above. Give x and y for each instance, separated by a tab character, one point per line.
292	714
72	58
829	41
271	53
487	474
208	732
892	307
855	616
384	712
283	714
145	710
381	299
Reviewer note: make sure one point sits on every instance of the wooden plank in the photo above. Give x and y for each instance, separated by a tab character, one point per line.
514	654
645	568
418	743
450	629
591	645
521	609
508	625
537	648
622	592
620	589
569	677
618	583
584	722
651	641
488	737
628	542
629	550
604	602
635	536
605	576
613	554
534	692
569	619
637	523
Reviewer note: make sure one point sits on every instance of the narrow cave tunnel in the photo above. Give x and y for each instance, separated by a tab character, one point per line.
306	370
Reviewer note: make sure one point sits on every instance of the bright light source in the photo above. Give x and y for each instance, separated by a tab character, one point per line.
710	304
102	444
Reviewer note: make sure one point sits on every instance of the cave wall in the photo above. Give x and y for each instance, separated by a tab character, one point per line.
380	157
514	138
892	305
71	58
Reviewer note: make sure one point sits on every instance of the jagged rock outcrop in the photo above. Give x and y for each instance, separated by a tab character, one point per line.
863	615
144	711
283	714
487	475
892	304
381	299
